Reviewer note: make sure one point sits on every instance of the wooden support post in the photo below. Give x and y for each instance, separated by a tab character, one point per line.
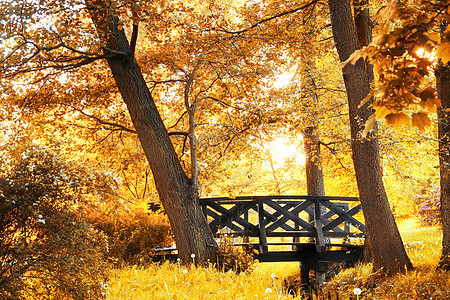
320	269
305	286
263	248
246	238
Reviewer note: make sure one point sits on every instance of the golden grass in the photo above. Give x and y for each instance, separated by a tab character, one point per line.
423	245
172	281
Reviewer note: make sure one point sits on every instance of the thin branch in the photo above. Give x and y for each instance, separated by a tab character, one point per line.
172	133
270	18
179	119
333	151
134	37
103	122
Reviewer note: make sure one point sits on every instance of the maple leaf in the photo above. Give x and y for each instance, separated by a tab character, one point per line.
398	119
421	120
443	50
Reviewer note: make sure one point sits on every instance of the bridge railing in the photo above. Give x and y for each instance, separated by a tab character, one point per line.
318	217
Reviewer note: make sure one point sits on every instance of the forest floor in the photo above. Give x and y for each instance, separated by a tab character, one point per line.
270	280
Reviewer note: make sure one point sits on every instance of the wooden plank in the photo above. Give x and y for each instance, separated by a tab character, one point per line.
295	211
227	200
274	218
233	214
346	216
304	233
290	215
220	223
323	218
352	255
280	256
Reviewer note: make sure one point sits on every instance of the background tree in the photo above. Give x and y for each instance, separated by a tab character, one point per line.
380	223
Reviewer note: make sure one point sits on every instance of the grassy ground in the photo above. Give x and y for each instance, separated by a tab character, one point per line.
266	281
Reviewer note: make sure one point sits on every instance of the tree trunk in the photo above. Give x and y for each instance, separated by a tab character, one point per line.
443	89
314	174
175	189
380	223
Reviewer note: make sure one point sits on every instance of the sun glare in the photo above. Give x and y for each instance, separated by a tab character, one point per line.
283	80
421	52
282	150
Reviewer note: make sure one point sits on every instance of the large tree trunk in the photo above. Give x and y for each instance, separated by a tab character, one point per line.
380	222
443	89
175	189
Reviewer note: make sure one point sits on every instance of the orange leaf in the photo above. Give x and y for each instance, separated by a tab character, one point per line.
398	120
421	120
443	50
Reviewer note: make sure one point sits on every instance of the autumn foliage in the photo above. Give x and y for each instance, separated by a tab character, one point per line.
47	249
410	39
132	233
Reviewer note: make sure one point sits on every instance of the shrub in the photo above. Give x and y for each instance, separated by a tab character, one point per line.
132	232
430	206
229	257
47	251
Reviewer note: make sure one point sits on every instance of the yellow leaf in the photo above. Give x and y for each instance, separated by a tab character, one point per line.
369	125
432	103
398	119
434	36
353	57
368	97
421	120
382	111
443	50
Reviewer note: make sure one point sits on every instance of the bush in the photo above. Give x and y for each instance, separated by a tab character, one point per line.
430	206
229	257
47	250
132	232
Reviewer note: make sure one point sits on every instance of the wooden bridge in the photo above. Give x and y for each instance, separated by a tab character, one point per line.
314	229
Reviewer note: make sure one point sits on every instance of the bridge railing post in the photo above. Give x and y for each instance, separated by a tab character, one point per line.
246	238
263	247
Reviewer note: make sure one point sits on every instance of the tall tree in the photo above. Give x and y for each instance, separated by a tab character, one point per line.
175	189
443	90
403	58
379	220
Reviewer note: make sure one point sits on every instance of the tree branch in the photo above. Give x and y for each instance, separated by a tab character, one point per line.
270	18
103	122
178	133
134	37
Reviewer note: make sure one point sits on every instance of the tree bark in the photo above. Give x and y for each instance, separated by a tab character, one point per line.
443	88
314	175
175	189
380	224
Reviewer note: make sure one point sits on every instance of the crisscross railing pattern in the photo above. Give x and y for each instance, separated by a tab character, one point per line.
319	217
